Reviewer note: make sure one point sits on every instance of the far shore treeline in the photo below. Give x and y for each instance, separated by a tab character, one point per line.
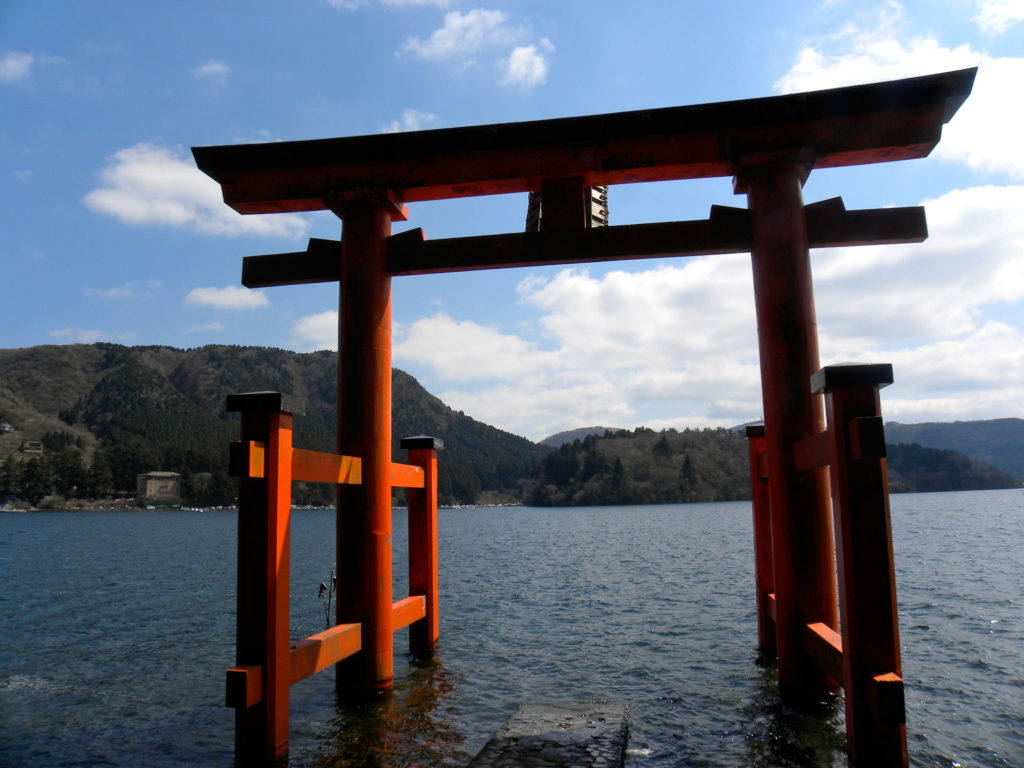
105	413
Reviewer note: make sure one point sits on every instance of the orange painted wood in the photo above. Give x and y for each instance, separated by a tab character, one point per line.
406	611
364	430
826	647
858	124
317	467
726	231
423	565
244	686
770	602
802	552
814	452
247	459
278	581
411	254
252	742
323	650
866	573
763	568
407	476
886	696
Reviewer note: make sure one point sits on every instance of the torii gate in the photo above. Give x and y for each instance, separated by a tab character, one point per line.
769	146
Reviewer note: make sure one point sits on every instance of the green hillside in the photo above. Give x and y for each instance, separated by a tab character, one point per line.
647	467
999	442
107	412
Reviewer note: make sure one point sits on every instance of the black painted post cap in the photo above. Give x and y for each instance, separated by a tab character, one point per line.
851	375
755	430
421	441
265	402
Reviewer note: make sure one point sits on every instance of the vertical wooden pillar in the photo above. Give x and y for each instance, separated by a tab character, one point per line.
364	430
802	549
872	675
763	574
264	509
423	634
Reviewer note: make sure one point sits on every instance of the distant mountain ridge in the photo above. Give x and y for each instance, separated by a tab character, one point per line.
999	442
154	407
559	439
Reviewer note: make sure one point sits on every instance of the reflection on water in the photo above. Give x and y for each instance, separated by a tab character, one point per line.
401	726
116	628
782	733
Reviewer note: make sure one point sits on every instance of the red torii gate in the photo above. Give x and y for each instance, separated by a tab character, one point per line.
769	146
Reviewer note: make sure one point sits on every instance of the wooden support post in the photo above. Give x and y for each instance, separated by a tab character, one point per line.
764	579
364	430
424	633
264	506
872	676
802	552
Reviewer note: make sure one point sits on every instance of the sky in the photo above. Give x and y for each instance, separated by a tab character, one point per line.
108	232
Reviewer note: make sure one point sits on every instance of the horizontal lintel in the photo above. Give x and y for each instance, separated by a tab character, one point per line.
247	459
306	658
878	122
886	698
319	263
407	476
244	686
410	256
726	231
814	451
825	646
405	612
324	650
317	467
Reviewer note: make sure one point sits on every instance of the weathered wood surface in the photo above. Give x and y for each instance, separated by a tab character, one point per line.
896	120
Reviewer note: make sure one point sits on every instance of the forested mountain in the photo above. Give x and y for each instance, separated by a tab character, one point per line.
107	412
647	467
999	442
914	468
559	439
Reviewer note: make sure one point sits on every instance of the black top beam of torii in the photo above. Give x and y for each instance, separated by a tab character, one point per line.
561	158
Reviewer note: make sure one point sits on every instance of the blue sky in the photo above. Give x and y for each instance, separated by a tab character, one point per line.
109	233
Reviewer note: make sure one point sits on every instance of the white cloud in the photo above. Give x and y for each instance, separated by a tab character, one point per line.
205	328
214	69
463	34
526	66
228	297
675	345
348	5
973	257
15	66
996	16
88	336
412	120
983	134
122	292
409	3
318	331
149	184
466	350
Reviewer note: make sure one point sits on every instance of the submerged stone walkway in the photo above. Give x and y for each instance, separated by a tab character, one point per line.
577	734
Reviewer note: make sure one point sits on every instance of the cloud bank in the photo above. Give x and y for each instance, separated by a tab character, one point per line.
150	184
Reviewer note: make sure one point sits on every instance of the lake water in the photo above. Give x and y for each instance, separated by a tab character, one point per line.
116	628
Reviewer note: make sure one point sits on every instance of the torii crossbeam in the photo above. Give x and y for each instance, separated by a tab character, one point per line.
767	145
